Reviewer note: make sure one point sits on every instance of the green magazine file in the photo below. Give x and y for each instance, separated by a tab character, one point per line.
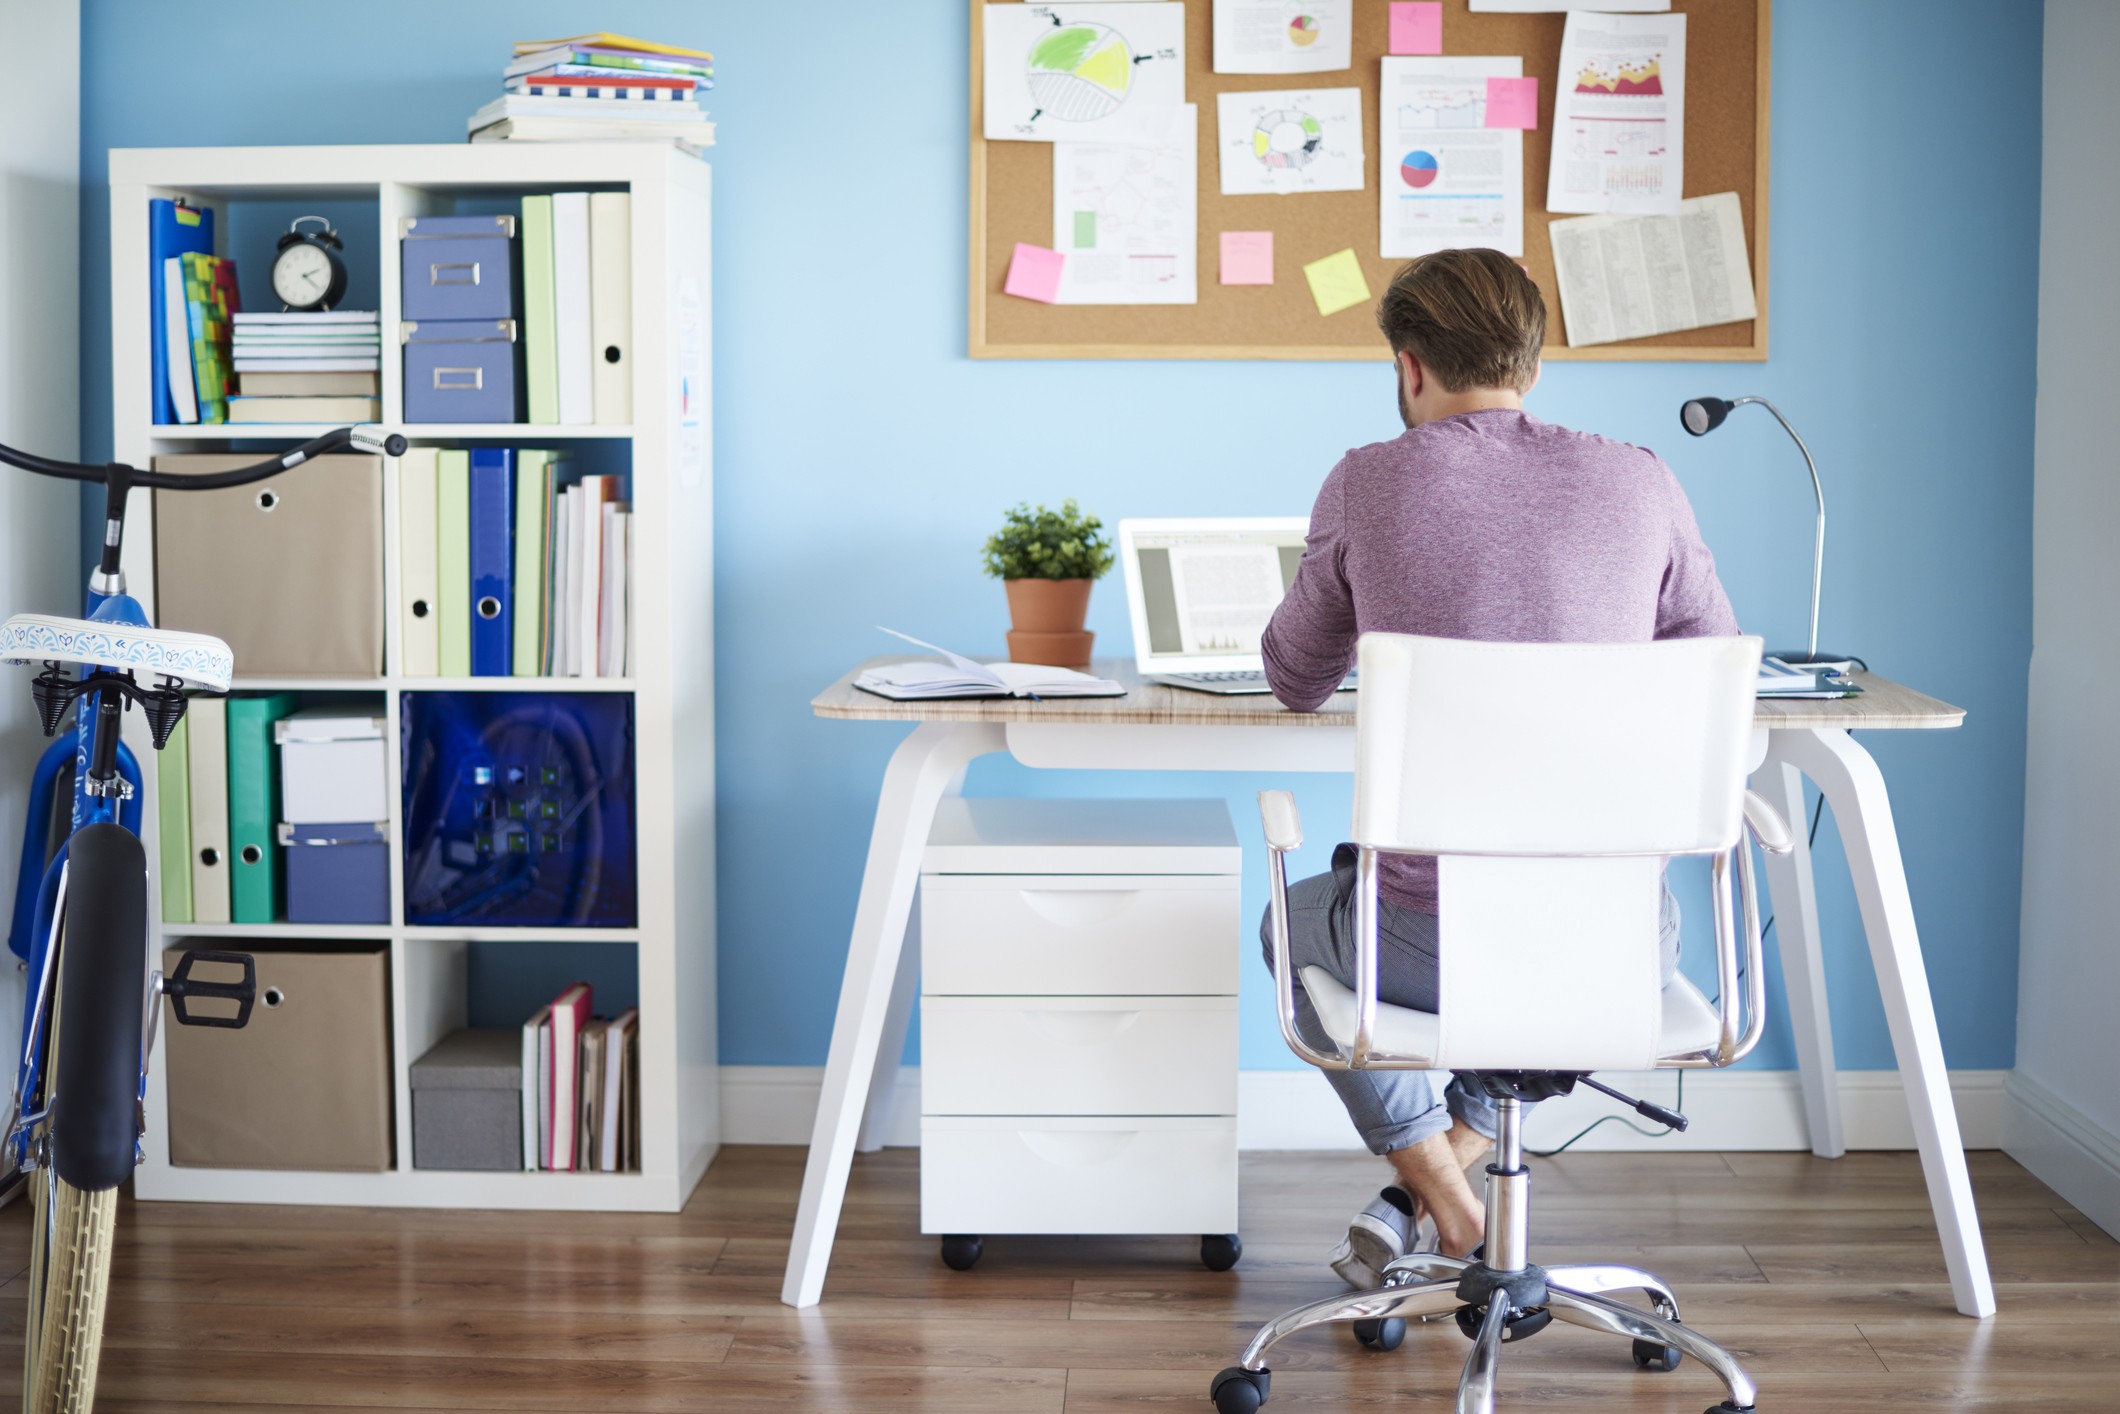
173	815
452	558
540	346
253	801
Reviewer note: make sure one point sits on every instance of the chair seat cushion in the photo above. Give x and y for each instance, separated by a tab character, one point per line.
1690	1024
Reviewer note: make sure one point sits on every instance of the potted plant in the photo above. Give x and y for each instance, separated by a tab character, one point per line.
1047	561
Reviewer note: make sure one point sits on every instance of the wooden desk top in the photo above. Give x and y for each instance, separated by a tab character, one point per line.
1884	704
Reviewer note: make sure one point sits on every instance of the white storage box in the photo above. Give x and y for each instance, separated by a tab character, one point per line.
332	765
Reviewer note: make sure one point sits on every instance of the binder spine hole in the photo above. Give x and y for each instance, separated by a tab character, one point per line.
272	996
252	854
420	609
611	353
489	607
209	856
268	500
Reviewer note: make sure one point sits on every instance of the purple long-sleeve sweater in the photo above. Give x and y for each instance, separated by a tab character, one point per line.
1490	525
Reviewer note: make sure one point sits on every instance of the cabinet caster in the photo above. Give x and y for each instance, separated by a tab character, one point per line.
1219	1252
1240	1391
1381	1335
960	1253
1661	1358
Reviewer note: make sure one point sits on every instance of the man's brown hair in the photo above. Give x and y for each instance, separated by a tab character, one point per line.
1472	317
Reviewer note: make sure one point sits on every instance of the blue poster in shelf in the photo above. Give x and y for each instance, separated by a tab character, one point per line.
518	809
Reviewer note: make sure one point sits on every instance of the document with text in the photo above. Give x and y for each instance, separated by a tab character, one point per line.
1626	277
1619	115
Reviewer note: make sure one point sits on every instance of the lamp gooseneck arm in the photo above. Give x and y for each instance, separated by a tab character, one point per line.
1818	548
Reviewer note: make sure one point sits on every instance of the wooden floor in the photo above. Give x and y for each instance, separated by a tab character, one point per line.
1824	1276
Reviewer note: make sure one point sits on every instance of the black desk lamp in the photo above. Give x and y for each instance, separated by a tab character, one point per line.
1702	416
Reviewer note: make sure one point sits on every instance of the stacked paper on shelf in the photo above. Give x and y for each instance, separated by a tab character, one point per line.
308	366
600	88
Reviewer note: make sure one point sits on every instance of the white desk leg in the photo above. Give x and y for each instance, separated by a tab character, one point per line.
921	771
1803	972
890	1050
1855	788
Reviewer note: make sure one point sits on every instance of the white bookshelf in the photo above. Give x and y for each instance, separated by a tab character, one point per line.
672	687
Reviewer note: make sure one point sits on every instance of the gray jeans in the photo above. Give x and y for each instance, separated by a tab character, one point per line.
1392	1109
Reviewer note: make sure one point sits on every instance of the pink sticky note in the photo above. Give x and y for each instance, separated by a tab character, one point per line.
1247	257
1034	273
1512	103
1416	26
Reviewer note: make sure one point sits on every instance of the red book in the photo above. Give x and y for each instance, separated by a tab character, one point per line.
570	1012
606	78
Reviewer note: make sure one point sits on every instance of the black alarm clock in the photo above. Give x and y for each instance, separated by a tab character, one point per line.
307	274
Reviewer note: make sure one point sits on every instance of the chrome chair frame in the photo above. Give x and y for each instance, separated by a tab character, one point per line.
1504	1284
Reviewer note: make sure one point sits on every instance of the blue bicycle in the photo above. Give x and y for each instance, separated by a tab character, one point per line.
80	919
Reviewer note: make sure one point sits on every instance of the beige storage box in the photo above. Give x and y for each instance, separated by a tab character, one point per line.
289	570
306	1085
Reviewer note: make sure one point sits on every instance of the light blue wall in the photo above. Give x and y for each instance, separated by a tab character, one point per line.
860	458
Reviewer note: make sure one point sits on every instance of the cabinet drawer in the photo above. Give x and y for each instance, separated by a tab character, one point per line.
1078	934
1012	1175
1078	1055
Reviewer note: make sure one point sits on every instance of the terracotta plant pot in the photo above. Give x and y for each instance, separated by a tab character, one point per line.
1046	618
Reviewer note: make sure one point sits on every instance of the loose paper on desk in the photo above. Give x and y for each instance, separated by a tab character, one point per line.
1619	115
1124	216
1274	37
1290	140
1449	179
1083	73
1624	277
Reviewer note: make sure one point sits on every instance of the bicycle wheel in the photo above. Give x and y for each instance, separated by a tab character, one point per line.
94	1047
69	1316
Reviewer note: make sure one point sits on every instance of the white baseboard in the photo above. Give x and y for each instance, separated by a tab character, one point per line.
1296	1109
2063	1148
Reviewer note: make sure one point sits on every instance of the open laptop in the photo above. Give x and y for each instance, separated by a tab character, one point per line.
1199	593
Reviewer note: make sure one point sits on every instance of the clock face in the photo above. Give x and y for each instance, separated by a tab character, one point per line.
301	275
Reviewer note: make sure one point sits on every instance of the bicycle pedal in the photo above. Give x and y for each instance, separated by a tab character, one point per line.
182	988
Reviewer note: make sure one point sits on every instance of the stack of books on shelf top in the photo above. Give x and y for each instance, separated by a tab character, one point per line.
311	366
600	88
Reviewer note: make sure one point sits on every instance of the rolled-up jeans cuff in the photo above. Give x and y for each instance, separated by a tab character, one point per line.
1475	1110
1404	1134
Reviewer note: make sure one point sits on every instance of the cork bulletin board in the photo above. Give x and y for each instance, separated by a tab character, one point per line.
1012	183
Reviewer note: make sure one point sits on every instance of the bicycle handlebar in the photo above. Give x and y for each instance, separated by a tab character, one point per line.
362	439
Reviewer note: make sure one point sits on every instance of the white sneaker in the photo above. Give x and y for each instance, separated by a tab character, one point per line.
1379	1235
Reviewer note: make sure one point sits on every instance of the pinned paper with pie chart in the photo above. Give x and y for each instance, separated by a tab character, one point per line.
1083	73
1286	141
1283	36
1450	181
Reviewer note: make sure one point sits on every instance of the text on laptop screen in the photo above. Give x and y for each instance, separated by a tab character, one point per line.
1211	592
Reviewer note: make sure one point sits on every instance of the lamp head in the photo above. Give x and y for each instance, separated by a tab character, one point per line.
1701	416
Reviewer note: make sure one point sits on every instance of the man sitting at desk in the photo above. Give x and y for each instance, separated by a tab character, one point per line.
1478	522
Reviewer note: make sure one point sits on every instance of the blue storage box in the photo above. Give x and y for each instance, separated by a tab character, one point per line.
460	370
456	267
518	809
337	873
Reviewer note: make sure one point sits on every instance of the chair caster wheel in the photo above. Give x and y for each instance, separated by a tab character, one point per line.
1381	1335
1726	1407
1220	1251
1520	1325
1662	1358
960	1253
1240	1391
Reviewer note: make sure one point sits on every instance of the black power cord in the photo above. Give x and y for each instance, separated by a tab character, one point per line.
1811	838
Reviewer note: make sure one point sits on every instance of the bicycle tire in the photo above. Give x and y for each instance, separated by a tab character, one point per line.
76	1291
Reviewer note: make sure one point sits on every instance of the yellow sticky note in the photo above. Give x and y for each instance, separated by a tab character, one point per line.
1336	282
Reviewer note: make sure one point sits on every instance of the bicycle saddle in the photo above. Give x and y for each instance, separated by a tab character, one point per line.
198	661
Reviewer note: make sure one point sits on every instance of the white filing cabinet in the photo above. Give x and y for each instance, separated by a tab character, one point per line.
1078	1021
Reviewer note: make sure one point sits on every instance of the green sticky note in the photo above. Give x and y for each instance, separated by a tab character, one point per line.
1336	282
1085	230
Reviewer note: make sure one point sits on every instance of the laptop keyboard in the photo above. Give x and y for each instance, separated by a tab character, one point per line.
1218	677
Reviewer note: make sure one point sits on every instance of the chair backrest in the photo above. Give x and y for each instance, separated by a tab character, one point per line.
1551	780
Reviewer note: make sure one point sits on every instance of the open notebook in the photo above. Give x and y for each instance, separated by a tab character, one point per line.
961	677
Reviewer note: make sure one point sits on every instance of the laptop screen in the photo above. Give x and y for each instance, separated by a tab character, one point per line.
1206	591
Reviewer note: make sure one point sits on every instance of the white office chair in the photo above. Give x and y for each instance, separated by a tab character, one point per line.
1551	781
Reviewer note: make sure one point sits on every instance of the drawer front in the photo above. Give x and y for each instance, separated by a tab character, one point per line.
1013	1175
1078	1055
1079	935
458	277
